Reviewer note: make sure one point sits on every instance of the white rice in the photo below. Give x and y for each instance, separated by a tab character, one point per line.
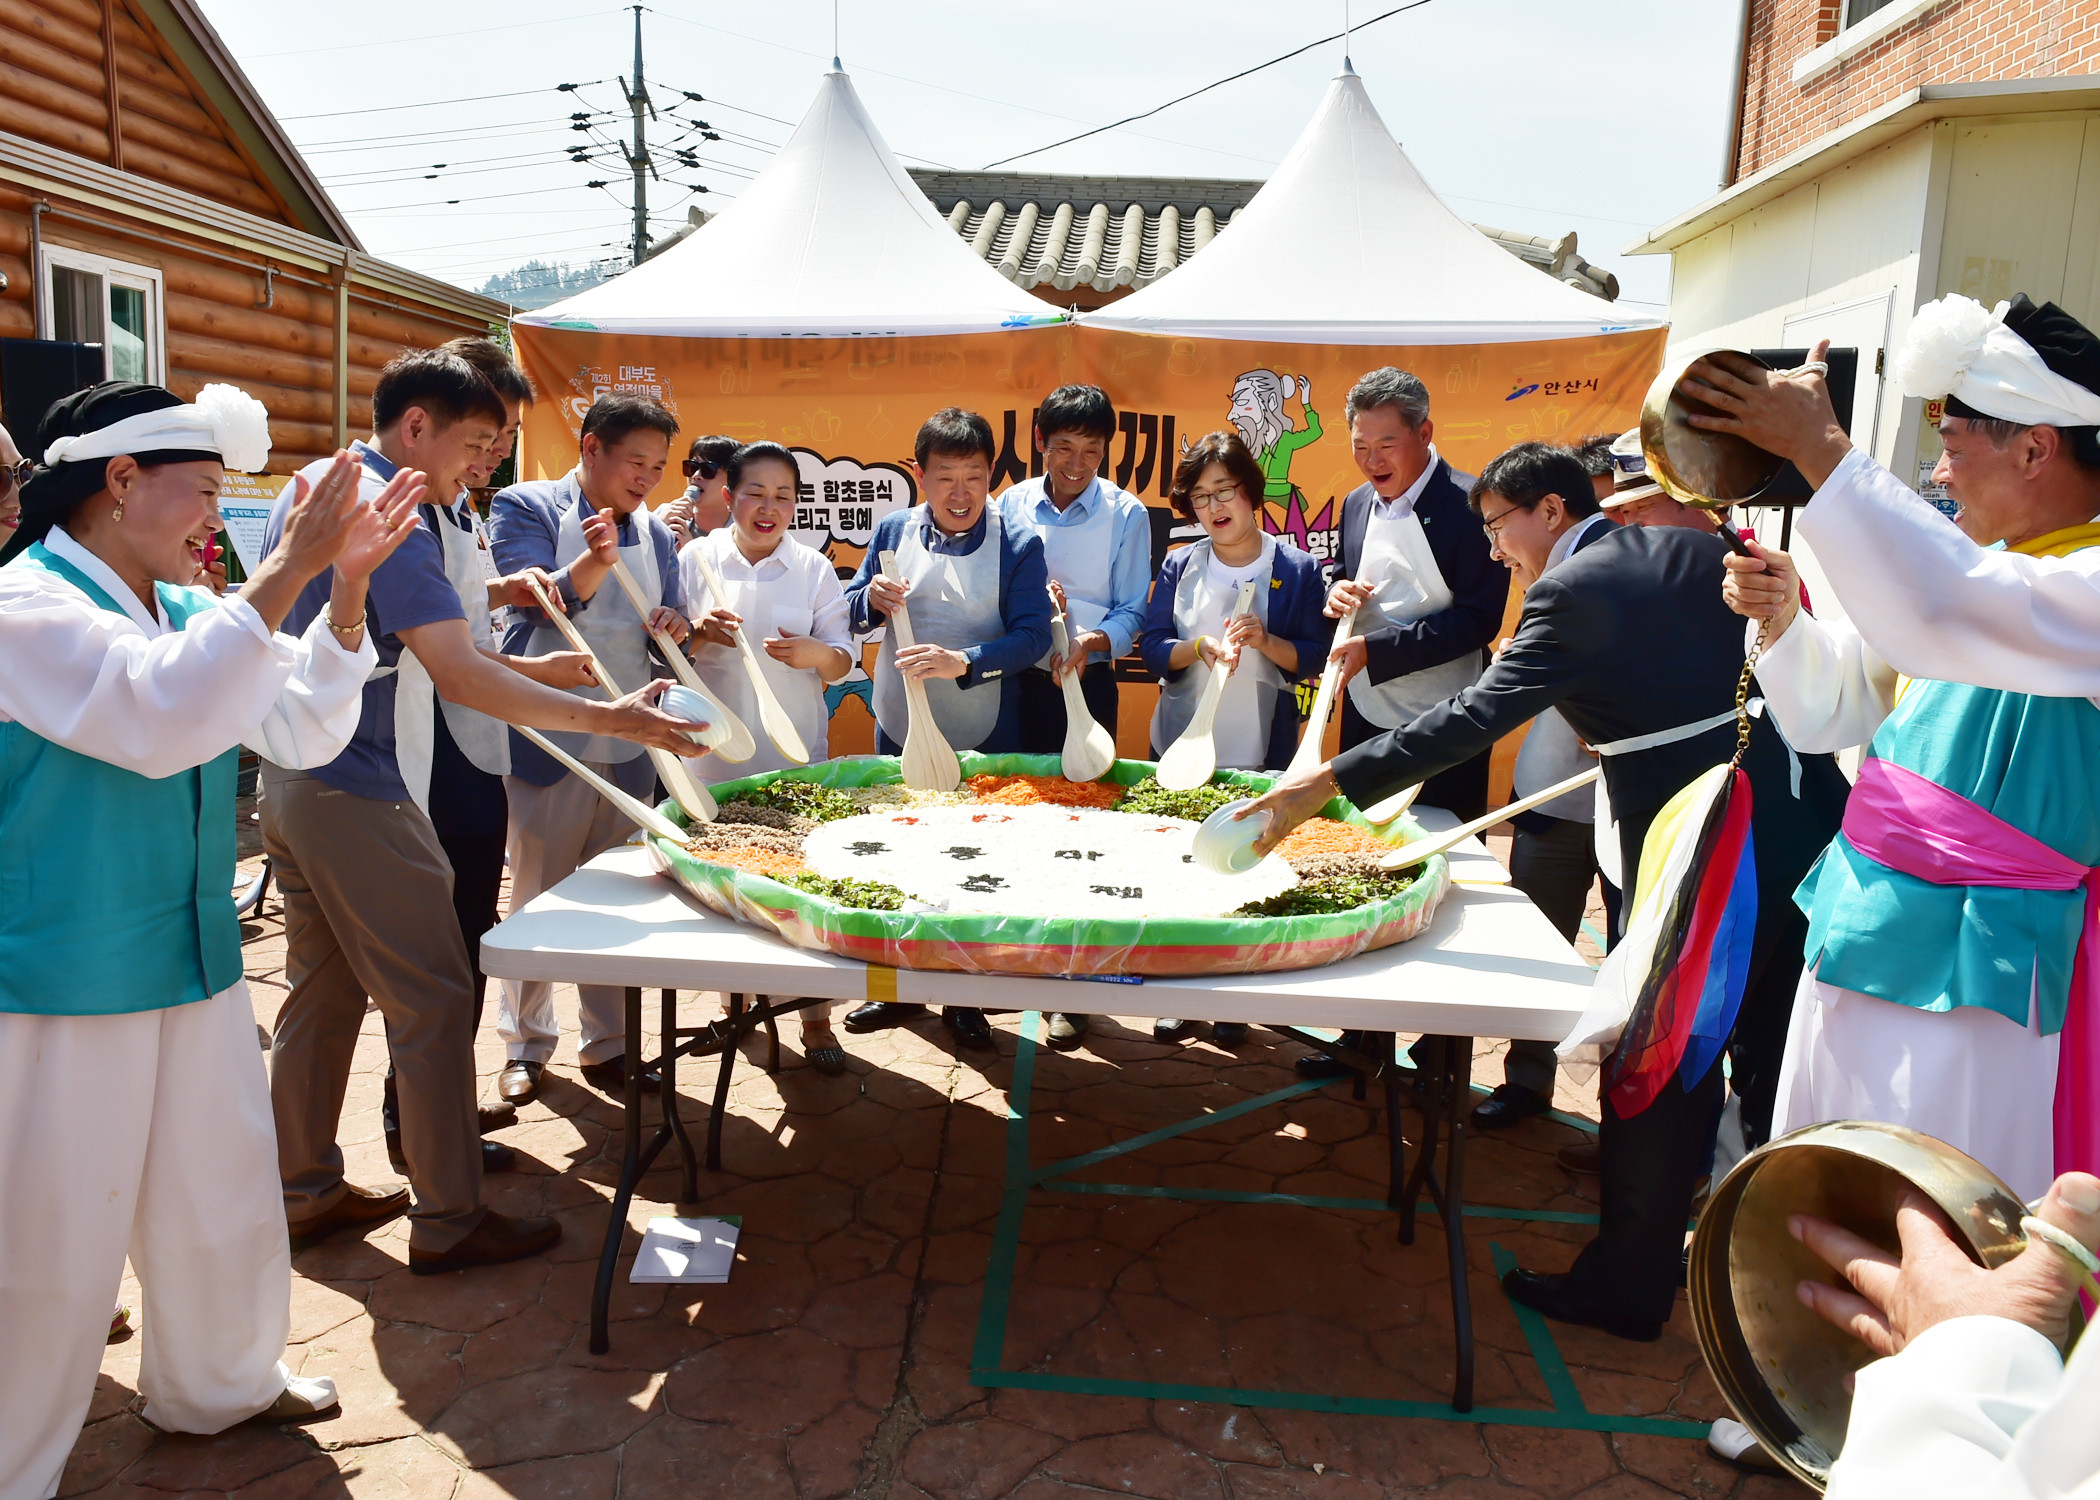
1035	860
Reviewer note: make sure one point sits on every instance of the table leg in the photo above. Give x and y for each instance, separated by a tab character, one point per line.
674	1118
714	1120
1425	1154
1395	1141
772	1037
630	1172
1457	1081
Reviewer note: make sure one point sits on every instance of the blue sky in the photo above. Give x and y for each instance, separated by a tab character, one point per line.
1604	118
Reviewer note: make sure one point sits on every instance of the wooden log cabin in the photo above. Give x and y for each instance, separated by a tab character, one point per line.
150	203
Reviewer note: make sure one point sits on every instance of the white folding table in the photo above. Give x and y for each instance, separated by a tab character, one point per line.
1489	965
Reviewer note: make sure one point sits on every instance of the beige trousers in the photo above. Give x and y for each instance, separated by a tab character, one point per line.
145	1134
554	829
368	912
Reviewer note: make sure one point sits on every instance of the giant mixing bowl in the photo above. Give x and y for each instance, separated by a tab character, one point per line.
1781	1366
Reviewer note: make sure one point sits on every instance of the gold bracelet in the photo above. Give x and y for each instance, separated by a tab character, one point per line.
342	629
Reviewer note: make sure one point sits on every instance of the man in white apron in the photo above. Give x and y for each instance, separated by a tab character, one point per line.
1428	596
367	888
979	603
1097	547
574	528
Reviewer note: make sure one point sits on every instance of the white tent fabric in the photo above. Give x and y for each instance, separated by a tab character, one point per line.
1346	244
832	238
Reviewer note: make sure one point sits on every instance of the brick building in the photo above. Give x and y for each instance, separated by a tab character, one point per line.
1882	153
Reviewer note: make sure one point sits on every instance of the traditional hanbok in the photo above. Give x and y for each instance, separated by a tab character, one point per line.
134	1112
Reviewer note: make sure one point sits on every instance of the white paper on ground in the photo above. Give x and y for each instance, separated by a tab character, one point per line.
688	1250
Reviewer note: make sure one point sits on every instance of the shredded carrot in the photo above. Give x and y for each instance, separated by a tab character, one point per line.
1317	836
1055	790
758	861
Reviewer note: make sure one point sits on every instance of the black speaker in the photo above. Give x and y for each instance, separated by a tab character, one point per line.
36	372
1788	487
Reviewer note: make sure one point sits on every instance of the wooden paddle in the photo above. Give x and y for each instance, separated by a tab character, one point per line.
1378	814
1311	750
741	745
642	813
688	793
1437	843
1190	760
928	763
780	729
1089	751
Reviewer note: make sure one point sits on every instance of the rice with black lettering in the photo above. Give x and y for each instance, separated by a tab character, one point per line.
1037	860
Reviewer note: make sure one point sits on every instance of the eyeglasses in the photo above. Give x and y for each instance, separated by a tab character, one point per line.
1493	525
13	476
1213	498
701	468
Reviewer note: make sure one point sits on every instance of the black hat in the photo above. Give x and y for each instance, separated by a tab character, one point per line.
2067	347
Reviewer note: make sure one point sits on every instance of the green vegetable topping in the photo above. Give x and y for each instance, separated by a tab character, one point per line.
1148	798
1336	893
808	799
872	894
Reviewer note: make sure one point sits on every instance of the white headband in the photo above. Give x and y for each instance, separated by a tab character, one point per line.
224	419
1956	348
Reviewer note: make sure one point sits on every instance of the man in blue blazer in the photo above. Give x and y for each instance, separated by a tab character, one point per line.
1414	564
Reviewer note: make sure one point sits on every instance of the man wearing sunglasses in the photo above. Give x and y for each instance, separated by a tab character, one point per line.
705	504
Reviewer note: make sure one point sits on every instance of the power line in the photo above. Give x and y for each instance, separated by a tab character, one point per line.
1217	84
383	109
419	137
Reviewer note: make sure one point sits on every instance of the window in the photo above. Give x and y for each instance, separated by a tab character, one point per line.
91	300
1857	11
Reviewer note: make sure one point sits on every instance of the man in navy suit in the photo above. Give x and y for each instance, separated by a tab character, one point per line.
1624	631
1428	593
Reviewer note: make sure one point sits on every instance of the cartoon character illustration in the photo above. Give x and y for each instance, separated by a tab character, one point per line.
1257	411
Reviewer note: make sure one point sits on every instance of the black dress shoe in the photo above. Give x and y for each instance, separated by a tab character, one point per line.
610	1076
1551	1293
1509	1103
1067	1032
880	1015
519	1082
968	1024
495	1156
1231	1035
1320	1065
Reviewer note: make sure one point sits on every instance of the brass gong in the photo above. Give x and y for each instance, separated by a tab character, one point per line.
1712	470
1780	1365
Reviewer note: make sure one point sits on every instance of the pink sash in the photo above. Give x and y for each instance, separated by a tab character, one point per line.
1917	827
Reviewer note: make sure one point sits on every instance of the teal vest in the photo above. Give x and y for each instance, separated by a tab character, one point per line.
115	888
2031	762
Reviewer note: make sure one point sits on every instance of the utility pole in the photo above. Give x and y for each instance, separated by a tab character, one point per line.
638	156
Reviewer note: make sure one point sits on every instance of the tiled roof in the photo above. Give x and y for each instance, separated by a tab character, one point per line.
1105	233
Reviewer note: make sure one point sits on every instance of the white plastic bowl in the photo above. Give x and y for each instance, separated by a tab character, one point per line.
1226	846
682	702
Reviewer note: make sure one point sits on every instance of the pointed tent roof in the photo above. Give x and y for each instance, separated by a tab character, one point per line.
1346	244
831	238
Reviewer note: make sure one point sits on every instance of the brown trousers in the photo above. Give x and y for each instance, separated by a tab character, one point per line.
368	912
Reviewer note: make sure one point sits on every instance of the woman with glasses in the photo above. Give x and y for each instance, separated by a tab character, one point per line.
704	507
786	594
1190	624
14	469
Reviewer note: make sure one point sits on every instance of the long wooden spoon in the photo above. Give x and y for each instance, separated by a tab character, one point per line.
633	807
1089	751
741	745
928	763
771	716
1437	843
1378	814
1190	760
688	793
1311	749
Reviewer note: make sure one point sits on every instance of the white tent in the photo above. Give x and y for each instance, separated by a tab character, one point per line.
832	238
1346	244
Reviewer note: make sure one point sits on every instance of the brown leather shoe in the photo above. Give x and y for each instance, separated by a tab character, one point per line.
498	1116
496	1239
519	1082
362	1209
1581	1157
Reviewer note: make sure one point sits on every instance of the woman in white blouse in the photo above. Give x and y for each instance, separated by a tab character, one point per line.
134	1114
787	595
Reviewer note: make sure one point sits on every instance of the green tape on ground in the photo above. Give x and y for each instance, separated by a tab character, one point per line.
1560	1385
1305	1200
1491	1416
1168	1132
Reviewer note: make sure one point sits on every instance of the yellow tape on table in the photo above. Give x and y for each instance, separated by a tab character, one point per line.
882	984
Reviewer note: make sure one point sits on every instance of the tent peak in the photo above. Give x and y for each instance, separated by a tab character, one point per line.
1348	68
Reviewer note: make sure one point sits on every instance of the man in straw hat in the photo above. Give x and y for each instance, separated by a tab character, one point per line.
1952	951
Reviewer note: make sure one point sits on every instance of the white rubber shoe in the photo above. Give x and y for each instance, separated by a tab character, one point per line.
303	1396
1732	1442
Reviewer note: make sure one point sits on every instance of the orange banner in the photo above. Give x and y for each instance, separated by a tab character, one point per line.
848	408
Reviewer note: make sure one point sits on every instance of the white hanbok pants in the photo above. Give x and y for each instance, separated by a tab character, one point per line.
146	1134
1967	1076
